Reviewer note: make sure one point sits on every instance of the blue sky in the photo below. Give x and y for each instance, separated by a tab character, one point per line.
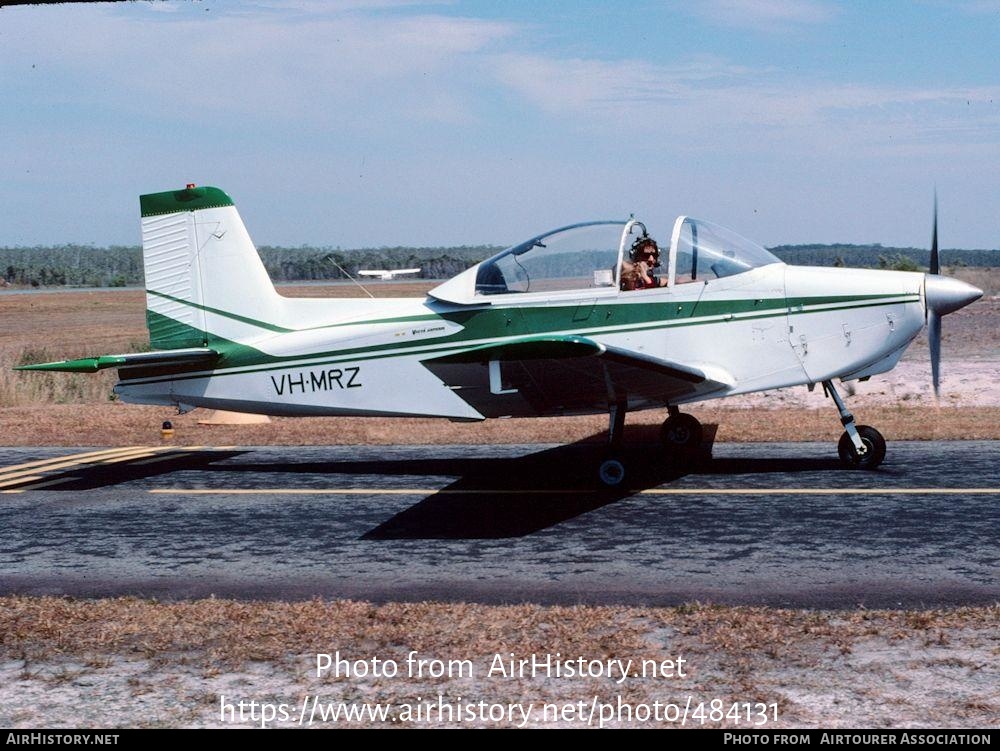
390	122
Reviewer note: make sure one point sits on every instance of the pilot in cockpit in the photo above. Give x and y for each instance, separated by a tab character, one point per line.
638	271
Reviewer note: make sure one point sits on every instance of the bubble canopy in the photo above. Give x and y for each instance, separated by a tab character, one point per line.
589	257
702	251
575	257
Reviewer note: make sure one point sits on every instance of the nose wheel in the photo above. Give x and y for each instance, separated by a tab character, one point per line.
874	449
861	446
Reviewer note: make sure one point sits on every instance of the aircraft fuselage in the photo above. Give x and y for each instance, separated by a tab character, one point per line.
770	327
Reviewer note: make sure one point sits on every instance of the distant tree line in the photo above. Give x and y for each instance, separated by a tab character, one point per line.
74	265
308	264
120	266
880	257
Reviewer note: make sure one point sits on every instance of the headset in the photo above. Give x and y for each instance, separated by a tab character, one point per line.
643	241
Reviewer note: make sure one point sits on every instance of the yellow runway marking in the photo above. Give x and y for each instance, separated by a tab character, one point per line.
161	458
18	482
37	485
19	474
165	453
648	491
73	460
88	455
128	457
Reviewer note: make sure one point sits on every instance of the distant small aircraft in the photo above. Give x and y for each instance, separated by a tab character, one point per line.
546	327
387	274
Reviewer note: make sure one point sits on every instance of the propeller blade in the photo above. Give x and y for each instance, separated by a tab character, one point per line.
934	339
935	265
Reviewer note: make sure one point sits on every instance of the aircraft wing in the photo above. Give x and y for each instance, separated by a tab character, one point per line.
168	357
567	375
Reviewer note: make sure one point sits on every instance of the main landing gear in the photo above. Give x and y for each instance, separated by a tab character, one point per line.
681	431
861	446
611	473
681	434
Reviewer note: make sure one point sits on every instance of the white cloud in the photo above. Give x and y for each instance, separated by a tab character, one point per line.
308	68
384	108
710	102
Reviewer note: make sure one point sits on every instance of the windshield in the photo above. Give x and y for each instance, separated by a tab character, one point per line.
702	251
581	256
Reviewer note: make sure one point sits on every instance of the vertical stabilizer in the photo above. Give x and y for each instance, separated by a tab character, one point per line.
204	278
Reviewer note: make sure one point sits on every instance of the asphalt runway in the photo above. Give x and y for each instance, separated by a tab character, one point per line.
776	524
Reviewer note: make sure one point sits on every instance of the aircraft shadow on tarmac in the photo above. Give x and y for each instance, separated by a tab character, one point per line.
496	498
95	476
491	497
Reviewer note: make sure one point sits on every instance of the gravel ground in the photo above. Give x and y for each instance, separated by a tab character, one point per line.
133	663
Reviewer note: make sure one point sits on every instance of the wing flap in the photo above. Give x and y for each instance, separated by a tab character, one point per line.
568	375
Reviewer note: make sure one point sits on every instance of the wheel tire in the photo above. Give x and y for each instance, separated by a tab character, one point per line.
872	439
611	473
682	431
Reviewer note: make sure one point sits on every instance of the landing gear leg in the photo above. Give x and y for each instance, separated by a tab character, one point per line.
861	446
612	470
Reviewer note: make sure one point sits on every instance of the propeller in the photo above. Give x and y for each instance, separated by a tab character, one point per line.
933	317
934	339
942	295
935	264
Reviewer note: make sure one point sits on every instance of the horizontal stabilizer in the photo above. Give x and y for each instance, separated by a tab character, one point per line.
194	356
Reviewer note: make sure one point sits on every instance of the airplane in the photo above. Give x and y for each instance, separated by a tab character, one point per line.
541	328
386	274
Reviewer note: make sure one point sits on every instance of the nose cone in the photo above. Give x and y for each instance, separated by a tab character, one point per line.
946	295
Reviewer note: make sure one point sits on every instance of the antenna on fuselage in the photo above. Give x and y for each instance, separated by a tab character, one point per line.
329	257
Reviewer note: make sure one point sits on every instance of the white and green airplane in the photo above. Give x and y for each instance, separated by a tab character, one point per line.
542	328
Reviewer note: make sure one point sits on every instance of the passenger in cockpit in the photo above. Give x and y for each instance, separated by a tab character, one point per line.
638	272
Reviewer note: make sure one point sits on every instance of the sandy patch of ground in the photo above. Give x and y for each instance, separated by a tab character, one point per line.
971	383
111	663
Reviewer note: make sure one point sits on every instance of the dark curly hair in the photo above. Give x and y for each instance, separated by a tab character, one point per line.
641	244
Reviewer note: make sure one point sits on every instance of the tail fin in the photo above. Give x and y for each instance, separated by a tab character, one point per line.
204	278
